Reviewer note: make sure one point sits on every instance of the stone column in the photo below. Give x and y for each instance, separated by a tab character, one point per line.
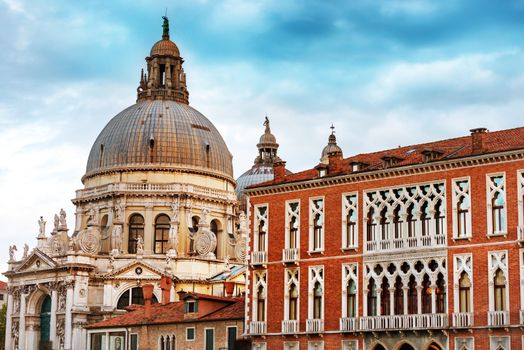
392	301
68	316
149	232
433	299
379	301
365	303
405	291
52	321
419	299
8	320
21	334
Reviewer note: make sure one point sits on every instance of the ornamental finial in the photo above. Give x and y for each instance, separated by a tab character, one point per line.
165	26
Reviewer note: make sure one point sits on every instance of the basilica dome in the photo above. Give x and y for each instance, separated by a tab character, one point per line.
160	134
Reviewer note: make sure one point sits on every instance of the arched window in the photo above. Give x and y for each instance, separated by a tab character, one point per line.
440	294
161	233
412	296
371	226
293	231
425	217
136	229
399	297
440	219
462	216
317	301
293	302
397	222
261	304
426	295
318	225
384	297
133	296
498	213
464	293
261	236
372	298
384	223
500	291
351	299
411	220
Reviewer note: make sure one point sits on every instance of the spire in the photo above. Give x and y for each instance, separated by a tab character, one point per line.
331	147
165	26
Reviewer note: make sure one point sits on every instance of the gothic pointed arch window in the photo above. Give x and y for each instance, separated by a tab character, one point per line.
426	295
384	297
464	292
440	294
261	303
399	297
411	220
496	194
397	223
412	296
425	218
384	224
293	302
351	299
372	298
371	226
500	291
440	218
317	300
136	231
161	233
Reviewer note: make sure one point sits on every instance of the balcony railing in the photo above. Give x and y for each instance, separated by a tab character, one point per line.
498	318
520	233
289	326
349	324
314	325
521	316
420	321
290	255
258	327
258	258
462	319
406	243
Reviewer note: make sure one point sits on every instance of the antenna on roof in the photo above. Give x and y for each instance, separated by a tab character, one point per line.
332	127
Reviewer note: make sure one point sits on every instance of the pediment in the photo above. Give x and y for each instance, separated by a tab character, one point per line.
36	261
136	270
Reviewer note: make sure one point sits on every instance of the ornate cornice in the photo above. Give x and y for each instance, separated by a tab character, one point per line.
364	176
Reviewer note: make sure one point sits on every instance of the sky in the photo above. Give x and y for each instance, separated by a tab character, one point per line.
384	73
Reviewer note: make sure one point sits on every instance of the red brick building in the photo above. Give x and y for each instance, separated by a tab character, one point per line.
416	247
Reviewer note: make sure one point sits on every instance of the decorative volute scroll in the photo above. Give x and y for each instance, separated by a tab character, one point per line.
205	239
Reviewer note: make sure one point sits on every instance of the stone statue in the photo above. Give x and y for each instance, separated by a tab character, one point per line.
204	221
91	217
117	238
119	212
26	251
173	236
62	218
12	250
140	245
165	27
244	225
175	209
56	223
41	225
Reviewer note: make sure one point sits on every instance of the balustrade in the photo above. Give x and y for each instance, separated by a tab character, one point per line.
290	255
258	258
498	318
314	325
289	326
381	245
391	322
349	324
258	327
462	319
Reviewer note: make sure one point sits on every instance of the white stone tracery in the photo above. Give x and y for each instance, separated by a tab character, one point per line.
497	261
349	220
496	204
462	263
291	278
259	284
420	271
261	227
349	274
316	224
316	275
167	342
461	208
464	343
292	239
405	217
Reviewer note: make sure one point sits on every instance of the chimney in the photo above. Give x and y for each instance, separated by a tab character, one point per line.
477	140
334	162
147	290
279	169
165	285
229	288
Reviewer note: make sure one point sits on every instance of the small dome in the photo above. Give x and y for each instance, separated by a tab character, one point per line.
160	134
165	47
253	176
268	138
331	148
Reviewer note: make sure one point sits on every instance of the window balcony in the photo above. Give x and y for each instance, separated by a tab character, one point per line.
348	324
384	245
258	327
398	322
290	255
462	319
258	258
314	325
289	326
498	318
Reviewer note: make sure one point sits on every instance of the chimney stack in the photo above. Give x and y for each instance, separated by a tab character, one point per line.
147	290
478	136
165	285
279	169
335	162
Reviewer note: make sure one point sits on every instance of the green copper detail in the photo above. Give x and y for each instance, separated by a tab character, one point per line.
165	26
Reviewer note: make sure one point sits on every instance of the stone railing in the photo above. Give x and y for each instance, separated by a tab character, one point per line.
498	318
157	188
349	324
419	321
289	326
257	327
258	258
462	319
382	245
290	255
314	325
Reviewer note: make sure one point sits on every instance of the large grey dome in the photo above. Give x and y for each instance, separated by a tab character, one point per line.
163	135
